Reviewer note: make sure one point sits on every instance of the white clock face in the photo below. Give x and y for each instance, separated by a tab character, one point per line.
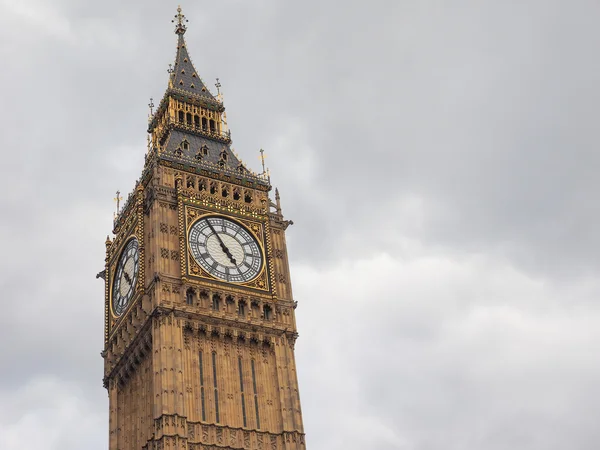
225	249
125	277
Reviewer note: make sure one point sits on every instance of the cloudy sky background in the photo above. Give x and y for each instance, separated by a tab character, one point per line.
439	160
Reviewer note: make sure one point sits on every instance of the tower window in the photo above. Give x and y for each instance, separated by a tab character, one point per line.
204	299
180	116
204	150
248	197
242	308
202	387
189	297
214	361
201	186
185	145
213	188
242	391
230	304
197	121
188	118
236	194
212	125
225	191
268	312
255	394
204	123
216	303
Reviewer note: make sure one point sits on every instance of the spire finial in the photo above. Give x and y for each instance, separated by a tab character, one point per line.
181	21
218	86
262	159
118	199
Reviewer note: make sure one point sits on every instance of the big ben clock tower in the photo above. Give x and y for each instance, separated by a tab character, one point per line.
199	316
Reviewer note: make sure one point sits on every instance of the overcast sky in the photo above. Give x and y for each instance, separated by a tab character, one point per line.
439	160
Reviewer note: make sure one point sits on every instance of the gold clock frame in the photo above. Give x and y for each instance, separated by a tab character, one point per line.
256	226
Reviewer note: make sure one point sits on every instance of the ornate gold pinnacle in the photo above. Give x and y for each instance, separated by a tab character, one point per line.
180	27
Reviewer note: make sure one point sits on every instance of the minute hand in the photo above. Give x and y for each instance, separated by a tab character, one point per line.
223	246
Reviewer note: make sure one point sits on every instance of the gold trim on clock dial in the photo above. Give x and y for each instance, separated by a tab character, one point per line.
225	249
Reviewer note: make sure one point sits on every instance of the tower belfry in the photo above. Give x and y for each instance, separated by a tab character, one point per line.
199	315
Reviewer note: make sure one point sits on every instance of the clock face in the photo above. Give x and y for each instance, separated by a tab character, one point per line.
225	249
126	277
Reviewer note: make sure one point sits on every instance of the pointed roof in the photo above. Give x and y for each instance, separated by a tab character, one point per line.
184	76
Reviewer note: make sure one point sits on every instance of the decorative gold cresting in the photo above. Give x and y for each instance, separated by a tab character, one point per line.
180	27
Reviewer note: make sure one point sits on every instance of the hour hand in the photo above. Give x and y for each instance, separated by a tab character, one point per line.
127	278
227	252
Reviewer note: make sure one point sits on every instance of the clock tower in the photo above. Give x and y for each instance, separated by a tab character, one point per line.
199	315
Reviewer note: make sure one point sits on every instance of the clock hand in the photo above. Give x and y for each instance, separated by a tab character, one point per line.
223	246
127	278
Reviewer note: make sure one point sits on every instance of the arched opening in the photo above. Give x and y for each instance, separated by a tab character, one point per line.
189	297
204	299
216	302
181	116
204	123
268	312
188	118
230	303
242	308
197	121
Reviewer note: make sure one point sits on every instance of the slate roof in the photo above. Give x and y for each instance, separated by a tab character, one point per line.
195	144
185	77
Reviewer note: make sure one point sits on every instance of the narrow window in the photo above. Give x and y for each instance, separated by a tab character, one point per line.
204	123
202	388
248	198
197	121
188	118
216	302
213	188
189	297
236	194
212	125
214	361
242	309
267	312
242	391
255	394
181	116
